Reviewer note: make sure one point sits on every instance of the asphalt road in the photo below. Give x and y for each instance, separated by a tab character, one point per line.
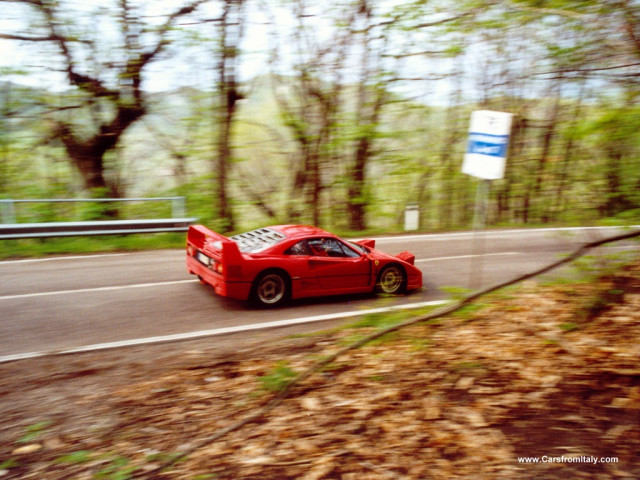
63	303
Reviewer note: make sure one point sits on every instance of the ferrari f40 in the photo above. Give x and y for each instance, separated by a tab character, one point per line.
271	265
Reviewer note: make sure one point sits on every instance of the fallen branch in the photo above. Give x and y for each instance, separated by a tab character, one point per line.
441	312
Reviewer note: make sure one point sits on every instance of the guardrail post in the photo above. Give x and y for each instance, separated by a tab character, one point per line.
8	211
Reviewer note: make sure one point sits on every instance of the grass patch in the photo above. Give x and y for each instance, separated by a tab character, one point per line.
29	248
467	366
33	432
419	344
75	458
119	468
568	326
600	303
379	321
468	311
278	378
593	267
456	293
9	464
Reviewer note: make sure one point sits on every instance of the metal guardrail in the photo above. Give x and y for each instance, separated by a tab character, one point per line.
8	212
10	230
17	231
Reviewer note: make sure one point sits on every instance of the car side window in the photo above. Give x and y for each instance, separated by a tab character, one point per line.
330	247
300	248
317	247
346	251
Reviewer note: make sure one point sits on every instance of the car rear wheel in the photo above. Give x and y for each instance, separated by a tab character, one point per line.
392	280
270	289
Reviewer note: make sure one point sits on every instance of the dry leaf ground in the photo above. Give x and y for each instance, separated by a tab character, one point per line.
551	373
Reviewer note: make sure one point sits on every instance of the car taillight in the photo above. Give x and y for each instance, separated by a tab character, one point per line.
217	267
190	250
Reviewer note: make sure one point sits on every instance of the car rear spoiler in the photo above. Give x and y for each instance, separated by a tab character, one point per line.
208	241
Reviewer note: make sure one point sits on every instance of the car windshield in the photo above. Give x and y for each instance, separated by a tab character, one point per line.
358	247
258	240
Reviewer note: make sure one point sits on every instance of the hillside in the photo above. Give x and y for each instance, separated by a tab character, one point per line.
545	373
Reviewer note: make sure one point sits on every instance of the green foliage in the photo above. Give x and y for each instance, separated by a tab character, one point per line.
33	432
278	378
468	311
114	243
9	464
419	343
379	321
591	267
118	468
78	457
455	292
467	366
568	326
600	303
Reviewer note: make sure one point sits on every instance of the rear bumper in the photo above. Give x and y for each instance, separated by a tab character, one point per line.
237	290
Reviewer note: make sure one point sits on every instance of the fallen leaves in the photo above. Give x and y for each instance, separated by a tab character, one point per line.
461	399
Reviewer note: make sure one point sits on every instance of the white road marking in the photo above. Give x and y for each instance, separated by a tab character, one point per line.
218	331
493	233
95	289
458	257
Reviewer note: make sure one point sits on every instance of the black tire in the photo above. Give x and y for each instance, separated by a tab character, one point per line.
392	280
270	289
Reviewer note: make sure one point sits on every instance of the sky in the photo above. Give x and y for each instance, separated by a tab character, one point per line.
36	59
190	64
165	74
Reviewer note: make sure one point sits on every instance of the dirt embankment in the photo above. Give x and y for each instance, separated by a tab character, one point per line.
543	383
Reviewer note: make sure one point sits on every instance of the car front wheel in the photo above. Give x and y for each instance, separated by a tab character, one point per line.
270	289
392	280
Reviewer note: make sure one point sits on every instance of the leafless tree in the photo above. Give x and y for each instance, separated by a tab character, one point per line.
110	90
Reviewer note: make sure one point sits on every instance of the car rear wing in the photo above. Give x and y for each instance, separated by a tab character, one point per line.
221	248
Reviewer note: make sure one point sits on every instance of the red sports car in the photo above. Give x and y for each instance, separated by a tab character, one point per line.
271	265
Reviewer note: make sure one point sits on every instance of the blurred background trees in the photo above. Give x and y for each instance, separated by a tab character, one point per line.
338	114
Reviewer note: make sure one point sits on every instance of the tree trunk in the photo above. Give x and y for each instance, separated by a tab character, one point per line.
357	200
231	30
371	99
87	155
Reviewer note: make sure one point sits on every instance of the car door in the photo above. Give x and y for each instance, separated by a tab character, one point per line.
304	281
337	267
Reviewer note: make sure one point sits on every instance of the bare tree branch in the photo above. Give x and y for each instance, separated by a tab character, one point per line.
8	36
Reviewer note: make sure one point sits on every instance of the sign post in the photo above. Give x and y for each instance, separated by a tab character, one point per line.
485	159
